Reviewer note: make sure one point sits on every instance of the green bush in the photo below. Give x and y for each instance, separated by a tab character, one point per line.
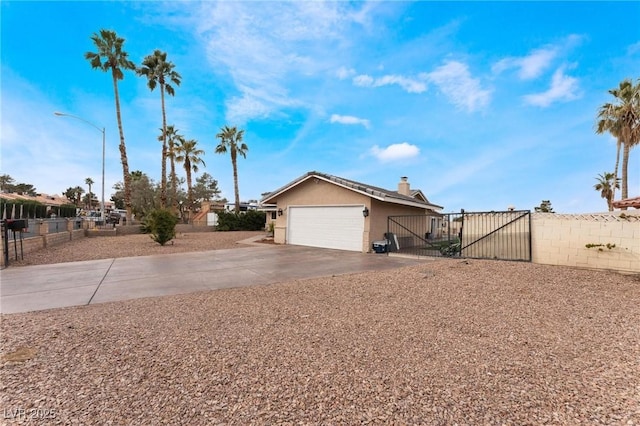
251	220
161	224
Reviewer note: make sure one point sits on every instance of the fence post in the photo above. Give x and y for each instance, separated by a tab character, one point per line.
43	227
70	222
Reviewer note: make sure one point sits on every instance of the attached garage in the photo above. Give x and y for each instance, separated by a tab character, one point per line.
335	227
321	210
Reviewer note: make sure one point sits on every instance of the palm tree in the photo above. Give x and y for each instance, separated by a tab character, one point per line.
5	182
116	60
188	154
622	119
607	184
171	135
79	192
89	182
160	72
231	140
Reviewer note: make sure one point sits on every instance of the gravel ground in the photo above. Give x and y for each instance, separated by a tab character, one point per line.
133	245
445	342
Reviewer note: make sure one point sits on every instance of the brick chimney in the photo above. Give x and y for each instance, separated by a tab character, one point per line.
404	187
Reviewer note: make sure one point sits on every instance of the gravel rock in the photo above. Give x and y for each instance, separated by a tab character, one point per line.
444	342
133	245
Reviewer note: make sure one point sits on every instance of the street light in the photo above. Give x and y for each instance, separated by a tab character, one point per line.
61	114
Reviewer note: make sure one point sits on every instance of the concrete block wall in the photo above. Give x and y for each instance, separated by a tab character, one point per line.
561	239
39	242
28	245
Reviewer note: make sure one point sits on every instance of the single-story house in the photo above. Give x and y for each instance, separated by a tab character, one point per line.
321	210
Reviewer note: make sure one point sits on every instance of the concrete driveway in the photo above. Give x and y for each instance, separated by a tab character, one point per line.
34	288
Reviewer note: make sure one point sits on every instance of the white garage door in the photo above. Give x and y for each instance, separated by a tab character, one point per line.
336	227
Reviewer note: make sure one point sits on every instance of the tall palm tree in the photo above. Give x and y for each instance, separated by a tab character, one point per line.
607	184
78	198
160	72
171	136
231	140
189	155
622	119
89	182
111	57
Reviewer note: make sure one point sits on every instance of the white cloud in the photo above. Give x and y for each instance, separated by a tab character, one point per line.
455	81
344	73
563	88
265	46
363	80
530	66
410	85
538	60
348	119
633	48
394	152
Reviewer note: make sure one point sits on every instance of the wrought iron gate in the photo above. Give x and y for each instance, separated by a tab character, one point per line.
504	235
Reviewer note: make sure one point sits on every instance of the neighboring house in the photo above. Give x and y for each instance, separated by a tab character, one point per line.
627	202
229	207
322	210
46	199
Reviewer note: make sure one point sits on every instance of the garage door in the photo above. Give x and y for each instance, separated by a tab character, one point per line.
336	227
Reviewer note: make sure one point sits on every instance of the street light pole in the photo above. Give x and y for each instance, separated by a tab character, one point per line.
60	114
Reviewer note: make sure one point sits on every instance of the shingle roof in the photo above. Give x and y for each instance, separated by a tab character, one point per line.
372	191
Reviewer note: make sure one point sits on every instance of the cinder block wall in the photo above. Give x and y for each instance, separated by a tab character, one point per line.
28	245
39	242
561	239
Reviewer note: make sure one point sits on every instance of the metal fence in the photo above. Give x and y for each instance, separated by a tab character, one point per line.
502	235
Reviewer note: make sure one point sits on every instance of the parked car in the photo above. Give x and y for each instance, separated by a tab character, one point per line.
114	217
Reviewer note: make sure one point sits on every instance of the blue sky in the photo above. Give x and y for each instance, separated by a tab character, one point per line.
482	105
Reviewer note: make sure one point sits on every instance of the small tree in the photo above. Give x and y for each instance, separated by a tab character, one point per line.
545	207
161	224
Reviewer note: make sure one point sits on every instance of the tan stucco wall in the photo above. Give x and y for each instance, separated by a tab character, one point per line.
379	217
317	192
321	193
561	239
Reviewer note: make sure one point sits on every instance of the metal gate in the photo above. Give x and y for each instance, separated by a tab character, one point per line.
504	235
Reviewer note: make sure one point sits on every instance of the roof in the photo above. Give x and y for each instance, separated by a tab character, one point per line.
627	202
50	200
374	192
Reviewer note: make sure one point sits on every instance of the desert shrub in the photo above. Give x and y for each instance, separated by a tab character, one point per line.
251	220
161	224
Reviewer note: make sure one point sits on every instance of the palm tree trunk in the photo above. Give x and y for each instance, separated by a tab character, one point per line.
163	181
174	181
625	167
187	168
615	171
123	151
235	180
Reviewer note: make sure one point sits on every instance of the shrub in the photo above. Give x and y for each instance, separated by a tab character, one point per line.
161	224
251	220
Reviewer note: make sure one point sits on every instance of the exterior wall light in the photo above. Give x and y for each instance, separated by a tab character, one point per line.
365	212
279	212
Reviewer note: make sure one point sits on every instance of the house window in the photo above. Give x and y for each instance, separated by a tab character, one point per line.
274	215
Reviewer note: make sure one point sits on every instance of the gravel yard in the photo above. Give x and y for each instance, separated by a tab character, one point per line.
133	245
449	341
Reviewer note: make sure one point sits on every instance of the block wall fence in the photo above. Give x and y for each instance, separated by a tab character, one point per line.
563	239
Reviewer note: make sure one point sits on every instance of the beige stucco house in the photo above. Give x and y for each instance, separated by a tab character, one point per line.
322	210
